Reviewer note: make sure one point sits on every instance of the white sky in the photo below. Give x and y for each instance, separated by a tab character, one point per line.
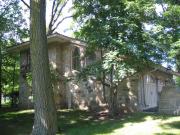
64	27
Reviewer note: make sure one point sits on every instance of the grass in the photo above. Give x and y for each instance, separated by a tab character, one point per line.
15	122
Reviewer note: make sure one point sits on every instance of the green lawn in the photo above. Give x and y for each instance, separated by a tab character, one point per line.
14	122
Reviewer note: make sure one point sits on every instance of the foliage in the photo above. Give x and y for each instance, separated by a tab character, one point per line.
178	81
168	36
118	27
120	30
12	30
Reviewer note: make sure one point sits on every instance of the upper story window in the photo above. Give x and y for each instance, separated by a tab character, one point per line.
76	62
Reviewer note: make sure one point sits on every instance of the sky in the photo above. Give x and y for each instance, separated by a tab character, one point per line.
64	28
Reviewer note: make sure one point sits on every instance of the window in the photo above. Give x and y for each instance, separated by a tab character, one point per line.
76	63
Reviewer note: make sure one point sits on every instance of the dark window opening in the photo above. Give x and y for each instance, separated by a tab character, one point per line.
76	62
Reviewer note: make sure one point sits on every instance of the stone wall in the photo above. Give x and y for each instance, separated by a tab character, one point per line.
170	100
89	94
128	95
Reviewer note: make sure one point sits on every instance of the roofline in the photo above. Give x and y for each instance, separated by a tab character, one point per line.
169	71
56	37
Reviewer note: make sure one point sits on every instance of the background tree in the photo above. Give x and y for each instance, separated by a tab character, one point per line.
118	28
45	112
168	34
12	30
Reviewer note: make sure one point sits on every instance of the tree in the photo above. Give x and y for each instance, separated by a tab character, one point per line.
118	28
45	112
12	29
168	25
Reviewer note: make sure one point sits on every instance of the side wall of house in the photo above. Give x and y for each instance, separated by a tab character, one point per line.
25	90
69	92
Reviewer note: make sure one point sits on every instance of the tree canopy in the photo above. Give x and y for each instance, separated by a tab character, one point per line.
124	26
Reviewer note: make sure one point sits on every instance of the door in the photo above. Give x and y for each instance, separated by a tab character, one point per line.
150	95
148	92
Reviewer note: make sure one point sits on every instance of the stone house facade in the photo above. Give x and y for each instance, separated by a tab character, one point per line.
67	57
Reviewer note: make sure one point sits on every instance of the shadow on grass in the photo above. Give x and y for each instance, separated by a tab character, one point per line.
14	123
175	124
72	122
83	123
171	127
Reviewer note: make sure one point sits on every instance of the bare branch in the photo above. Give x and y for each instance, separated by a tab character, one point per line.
56	12
61	22
52	15
55	8
60	11
25	4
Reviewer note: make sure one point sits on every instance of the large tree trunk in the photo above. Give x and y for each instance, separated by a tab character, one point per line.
45	112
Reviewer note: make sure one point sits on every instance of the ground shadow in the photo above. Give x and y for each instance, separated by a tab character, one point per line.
75	122
14	123
84	123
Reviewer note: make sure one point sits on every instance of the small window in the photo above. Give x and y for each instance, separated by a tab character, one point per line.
76	62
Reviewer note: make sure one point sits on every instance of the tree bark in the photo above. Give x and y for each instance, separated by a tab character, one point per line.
113	111
45	112
103	80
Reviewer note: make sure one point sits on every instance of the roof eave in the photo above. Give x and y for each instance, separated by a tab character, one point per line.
52	38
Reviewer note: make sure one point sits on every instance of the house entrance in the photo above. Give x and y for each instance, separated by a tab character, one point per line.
148	92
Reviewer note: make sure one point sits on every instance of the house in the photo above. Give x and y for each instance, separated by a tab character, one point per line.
66	57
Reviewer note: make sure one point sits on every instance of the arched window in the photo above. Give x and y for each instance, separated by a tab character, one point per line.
76	63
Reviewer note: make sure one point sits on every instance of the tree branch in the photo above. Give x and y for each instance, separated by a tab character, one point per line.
25	4
52	15
60	11
61	22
